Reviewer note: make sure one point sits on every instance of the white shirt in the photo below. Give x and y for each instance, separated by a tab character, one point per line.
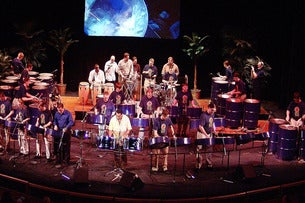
110	69
119	127
95	77
125	68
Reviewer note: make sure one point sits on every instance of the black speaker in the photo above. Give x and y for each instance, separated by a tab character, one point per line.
246	172
131	181
81	175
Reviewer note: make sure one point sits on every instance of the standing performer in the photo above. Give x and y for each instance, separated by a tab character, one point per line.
161	126
150	73
125	68
21	116
257	76
184	98
119	129
17	64
6	112
44	121
117	96
136	78
110	69
170	67
295	113
205	130
96	77
25	72
23	94
63	123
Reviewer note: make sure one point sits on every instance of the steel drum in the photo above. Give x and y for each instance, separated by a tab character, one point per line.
140	122
128	109
218	87
180	141
220	122
159	142
221	104
225	140
46	74
12	77
41	84
287	142
174	111
8	90
46	79
134	144
233	112
273	130
106	142
96	119
81	134
13	83
33	130
54	133
251	113
33	73
205	141
42	91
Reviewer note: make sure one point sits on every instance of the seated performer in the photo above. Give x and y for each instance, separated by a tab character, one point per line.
161	126
239	90
119	129
183	99
6	112
205	130
44	121
63	123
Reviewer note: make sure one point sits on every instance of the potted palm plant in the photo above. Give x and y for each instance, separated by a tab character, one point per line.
61	40
196	47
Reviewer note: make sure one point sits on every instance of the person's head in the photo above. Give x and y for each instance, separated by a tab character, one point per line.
151	62
106	96
260	64
42	106
60	108
96	67
149	93
119	114
185	87
296	97
226	64
126	56
29	66
112	58
211	108
236	76
164	113
118	86
26	81
134	60
20	55
170	60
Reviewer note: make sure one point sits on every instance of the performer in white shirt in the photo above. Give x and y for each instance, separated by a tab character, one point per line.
96	78
111	67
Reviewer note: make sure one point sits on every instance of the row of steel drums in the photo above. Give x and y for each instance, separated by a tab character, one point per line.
40	84
285	140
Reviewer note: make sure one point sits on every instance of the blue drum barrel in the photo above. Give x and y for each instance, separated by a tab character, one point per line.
251	113
233	112
302	144
273	129
287	142
221	104
218	87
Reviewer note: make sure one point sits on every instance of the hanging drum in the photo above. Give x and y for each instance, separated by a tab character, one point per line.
128	109
233	112
273	129
83	92
218	87
302	144
251	113
287	142
221	104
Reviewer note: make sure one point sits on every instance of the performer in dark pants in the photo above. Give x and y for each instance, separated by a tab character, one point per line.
63	122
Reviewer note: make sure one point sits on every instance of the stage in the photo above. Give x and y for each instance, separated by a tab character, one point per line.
244	170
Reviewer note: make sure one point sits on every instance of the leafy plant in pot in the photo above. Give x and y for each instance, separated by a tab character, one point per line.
61	40
195	47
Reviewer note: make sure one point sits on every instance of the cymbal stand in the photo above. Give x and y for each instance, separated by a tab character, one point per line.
129	87
176	157
80	161
14	157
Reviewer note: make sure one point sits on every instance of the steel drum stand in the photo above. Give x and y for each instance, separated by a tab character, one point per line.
117	172
129	87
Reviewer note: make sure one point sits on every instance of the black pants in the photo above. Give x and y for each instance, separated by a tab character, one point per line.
62	148
182	122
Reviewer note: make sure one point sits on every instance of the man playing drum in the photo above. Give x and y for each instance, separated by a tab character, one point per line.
160	129
96	76
119	129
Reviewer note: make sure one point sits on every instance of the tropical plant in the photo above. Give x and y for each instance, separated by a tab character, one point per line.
5	64
196	47
61	40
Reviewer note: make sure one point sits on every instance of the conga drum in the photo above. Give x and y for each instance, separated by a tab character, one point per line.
251	113
273	129
83	92
109	87
96	90
287	142
233	112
